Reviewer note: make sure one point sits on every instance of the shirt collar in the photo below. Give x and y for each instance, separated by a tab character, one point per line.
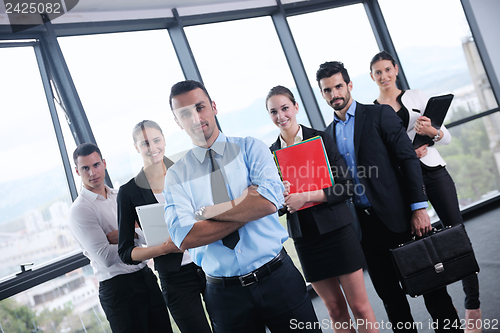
93	196
218	146
299	137
350	112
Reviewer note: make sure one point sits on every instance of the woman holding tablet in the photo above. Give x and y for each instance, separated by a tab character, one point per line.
327	246
441	191
182	281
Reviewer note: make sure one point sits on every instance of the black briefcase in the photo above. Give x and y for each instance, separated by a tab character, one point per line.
436	260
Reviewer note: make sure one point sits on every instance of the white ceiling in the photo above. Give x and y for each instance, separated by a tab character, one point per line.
87	6
113	10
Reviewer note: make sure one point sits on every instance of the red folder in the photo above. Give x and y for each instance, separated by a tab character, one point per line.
305	165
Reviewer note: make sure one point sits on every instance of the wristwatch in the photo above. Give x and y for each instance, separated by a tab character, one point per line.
436	138
198	214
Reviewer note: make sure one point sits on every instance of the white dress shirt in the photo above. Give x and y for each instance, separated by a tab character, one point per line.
91	218
299	137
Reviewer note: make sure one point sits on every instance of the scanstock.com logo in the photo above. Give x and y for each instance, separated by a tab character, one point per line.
26	14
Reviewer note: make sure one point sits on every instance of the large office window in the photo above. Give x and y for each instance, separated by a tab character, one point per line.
471	162
240	61
121	79
339	34
433	41
34	194
69	303
439	56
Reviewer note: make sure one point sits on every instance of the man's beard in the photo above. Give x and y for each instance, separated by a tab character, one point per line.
338	107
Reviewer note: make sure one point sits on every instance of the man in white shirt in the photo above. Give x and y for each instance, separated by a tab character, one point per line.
129	295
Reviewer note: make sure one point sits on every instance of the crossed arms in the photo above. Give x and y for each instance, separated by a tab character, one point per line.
223	219
253	166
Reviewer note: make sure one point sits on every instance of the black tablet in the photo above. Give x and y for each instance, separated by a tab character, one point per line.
436	110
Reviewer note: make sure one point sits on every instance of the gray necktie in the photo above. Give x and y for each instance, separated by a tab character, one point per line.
219	195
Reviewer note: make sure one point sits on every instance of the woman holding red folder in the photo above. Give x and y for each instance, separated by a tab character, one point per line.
441	191
327	246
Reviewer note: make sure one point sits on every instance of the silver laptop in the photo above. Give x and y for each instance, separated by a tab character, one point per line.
153	223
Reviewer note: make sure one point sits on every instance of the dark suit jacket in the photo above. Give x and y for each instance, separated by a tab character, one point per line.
395	178
334	213
137	192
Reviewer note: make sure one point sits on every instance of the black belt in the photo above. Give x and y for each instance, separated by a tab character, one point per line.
253	276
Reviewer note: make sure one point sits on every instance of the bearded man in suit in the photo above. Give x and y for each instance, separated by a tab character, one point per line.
389	196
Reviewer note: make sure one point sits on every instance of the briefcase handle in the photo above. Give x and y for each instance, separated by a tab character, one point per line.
430	233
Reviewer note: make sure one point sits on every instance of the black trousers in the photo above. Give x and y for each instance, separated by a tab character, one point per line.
133	303
442	194
278	301
183	291
376	242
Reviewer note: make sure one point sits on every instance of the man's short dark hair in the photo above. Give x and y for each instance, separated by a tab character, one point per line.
85	149
186	86
331	68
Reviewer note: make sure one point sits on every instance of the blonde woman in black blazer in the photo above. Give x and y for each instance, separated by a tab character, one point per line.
327	246
182	281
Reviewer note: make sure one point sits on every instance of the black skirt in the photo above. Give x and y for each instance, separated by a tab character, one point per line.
332	254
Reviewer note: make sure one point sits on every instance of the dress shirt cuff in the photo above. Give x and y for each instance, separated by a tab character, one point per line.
418	205
445	137
178	228
272	191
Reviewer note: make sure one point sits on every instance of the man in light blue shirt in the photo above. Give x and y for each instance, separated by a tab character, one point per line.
251	282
